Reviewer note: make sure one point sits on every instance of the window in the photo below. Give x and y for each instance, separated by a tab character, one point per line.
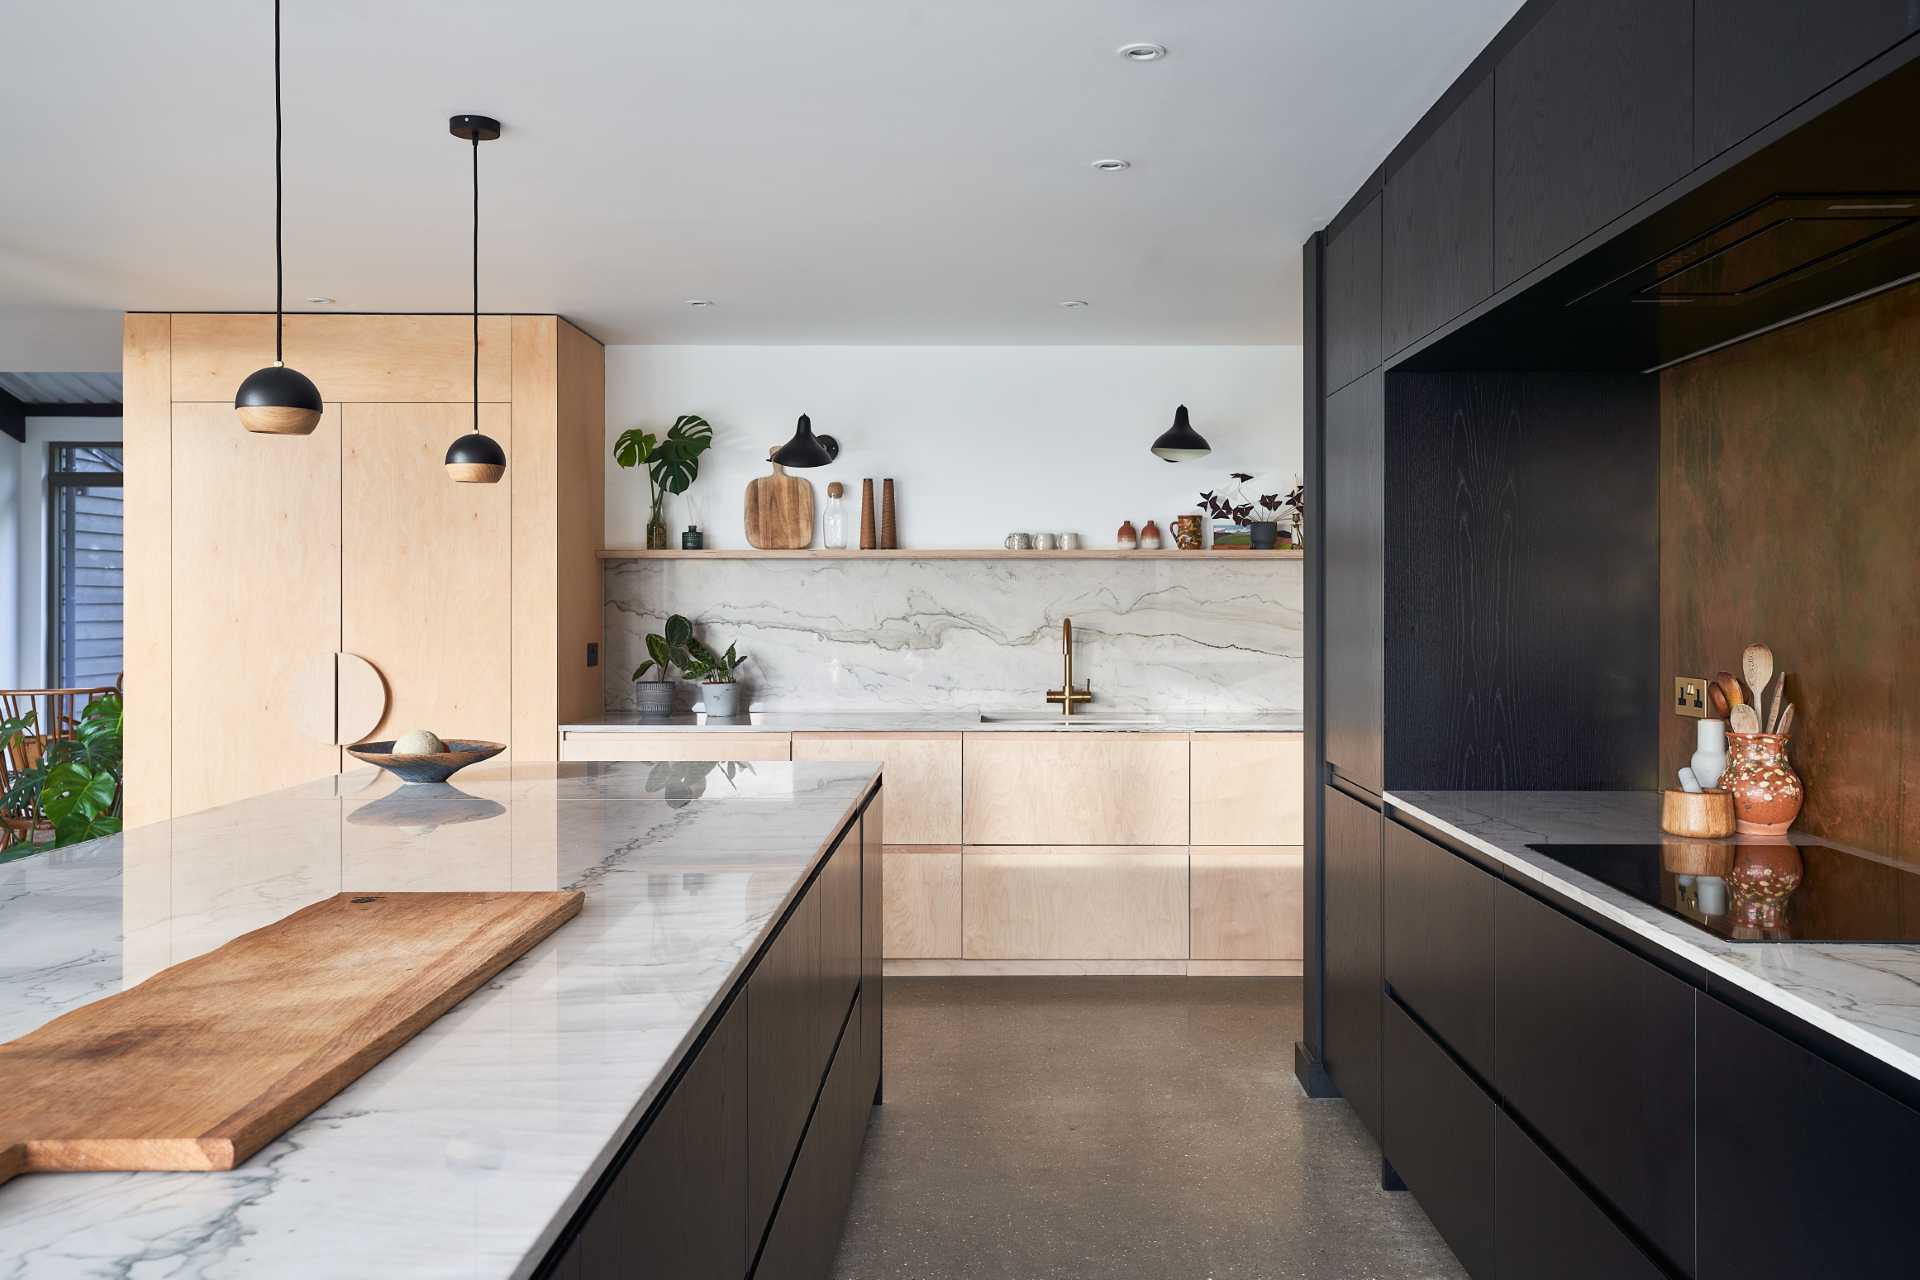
84	565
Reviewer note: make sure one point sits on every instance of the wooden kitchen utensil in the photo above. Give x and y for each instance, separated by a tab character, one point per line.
1718	698
206	1062
1756	664
1779	702
1729	685
1744	719
1786	721
779	511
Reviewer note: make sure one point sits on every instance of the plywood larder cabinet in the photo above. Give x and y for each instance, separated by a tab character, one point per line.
252	559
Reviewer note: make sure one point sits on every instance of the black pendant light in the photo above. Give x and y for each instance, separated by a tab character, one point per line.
1180	442
476	458
807	449
276	400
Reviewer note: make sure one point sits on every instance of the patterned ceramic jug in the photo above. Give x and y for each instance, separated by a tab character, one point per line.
1767	793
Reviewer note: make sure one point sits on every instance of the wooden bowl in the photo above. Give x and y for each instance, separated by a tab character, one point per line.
1700	814
436	766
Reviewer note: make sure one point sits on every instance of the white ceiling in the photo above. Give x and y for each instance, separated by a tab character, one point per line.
843	171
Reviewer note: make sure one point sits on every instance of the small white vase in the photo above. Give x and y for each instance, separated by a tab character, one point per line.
1709	752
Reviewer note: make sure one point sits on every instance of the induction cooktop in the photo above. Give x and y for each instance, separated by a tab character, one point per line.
1760	890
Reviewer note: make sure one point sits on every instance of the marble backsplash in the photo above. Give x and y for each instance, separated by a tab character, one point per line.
1152	635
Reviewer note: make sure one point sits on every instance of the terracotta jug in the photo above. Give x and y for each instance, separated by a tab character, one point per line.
1767	793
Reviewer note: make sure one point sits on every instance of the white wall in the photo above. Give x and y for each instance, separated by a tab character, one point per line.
23	516
980	440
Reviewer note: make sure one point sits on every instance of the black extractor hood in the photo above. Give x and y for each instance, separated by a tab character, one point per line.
1823	215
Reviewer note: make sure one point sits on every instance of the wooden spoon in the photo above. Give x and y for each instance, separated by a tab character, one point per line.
1744	719
1718	698
1729	686
1786	721
1756	664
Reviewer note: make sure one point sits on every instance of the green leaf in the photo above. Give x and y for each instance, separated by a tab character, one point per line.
643	668
73	790
679	631
80	828
633	447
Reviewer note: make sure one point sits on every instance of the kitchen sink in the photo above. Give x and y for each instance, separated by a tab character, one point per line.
1079	720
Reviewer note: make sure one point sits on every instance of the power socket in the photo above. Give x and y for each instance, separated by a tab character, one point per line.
1690	696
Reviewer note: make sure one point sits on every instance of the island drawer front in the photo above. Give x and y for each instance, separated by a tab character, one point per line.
805	1234
1439	1137
678	1204
1594	1050
784	1047
1438	955
1805	1169
667	744
1246	788
1544	1225
839	892
1077	787
1052	903
922	772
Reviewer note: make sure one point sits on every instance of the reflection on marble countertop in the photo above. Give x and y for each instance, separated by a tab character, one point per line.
958	720
464	1152
1867	994
943	635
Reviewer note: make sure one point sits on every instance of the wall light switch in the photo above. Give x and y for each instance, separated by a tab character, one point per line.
1689	696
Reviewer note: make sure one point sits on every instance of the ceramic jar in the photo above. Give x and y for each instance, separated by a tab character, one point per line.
1767	793
1761	880
1149	536
1127	539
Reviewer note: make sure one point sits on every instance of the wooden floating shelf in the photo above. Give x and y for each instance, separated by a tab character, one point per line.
943	553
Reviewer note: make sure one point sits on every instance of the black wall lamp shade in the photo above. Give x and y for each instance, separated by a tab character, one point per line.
278	401
807	449
476	459
1180	442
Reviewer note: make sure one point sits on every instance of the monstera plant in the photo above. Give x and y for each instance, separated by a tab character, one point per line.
672	462
75	782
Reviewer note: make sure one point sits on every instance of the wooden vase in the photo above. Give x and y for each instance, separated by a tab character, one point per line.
889	527
868	540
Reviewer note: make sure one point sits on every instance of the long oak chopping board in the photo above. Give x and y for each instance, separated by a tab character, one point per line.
206	1062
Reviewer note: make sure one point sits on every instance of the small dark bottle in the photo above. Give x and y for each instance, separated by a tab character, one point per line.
693	539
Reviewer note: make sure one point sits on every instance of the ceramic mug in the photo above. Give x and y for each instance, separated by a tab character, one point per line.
1019	542
1069	542
1045	542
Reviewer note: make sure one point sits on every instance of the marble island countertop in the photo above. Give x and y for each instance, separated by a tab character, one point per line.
964	719
466	1151
1866	994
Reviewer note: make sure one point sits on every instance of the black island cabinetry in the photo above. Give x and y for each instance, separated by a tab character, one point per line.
1483	418
744	1165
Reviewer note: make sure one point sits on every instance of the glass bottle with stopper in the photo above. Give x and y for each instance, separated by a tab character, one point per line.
834	523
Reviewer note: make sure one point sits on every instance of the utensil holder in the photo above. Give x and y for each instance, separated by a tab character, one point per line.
1700	815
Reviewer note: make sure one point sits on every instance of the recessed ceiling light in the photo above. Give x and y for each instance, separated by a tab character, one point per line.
1112	166
321	301
699	302
1074	304
1144	51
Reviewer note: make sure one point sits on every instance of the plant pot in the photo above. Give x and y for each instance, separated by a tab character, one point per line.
721	701
1263	534
653	699
656	535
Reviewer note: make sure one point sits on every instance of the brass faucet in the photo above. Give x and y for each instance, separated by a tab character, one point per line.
1066	695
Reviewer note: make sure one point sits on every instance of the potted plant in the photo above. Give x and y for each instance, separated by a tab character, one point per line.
672	462
653	698
719	692
72	782
1264	529
1232	513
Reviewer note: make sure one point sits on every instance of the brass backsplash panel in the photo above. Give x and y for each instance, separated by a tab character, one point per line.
1790	514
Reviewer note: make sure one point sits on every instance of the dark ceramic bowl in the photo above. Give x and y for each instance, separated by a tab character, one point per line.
436	767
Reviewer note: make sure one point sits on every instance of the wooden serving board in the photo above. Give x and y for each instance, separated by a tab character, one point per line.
206	1062
779	511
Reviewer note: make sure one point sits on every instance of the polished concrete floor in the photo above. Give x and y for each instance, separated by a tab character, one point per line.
1043	1128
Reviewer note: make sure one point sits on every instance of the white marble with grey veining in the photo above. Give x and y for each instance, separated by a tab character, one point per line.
464	1152
1867	994
963	720
944	635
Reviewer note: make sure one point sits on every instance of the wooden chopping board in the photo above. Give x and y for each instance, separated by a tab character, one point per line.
779	511
208	1061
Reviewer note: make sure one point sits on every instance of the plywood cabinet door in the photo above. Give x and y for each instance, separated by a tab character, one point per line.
1247	788
1075	904
1074	787
426	591
256	600
923	778
1246	904
922	903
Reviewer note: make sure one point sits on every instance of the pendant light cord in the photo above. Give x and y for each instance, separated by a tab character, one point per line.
476	281
279	253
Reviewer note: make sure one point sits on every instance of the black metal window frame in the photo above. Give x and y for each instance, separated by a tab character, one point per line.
56	481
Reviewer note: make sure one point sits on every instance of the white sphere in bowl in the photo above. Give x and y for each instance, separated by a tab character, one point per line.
418	742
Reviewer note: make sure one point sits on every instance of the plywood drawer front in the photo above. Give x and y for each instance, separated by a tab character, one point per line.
702	744
923	778
922	902
1247	788
1075	787
1075	903
1246	903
